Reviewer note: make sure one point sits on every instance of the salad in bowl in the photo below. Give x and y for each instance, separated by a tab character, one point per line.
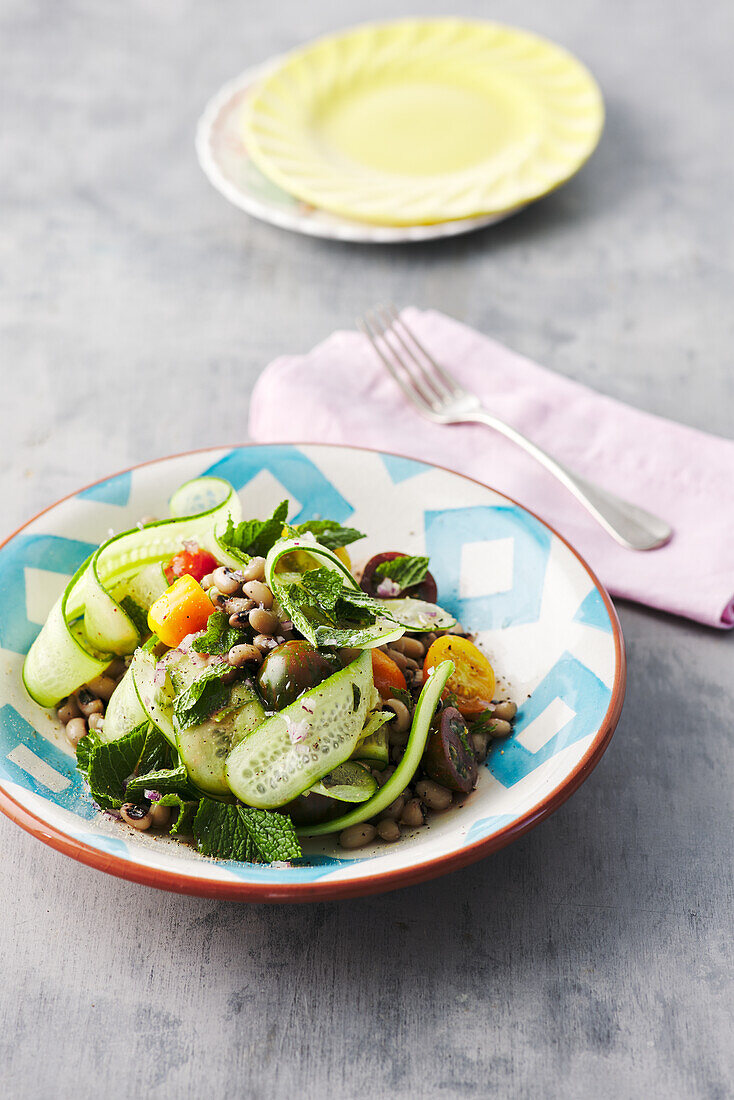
236	683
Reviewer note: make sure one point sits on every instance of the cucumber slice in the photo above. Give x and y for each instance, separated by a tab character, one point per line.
307	554
145	587
204	749
269	769
124	711
416	615
349	782
304	554
373	747
424	710
63	656
156	701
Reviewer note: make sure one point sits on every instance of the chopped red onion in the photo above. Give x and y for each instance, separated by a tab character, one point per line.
191	545
153	796
388	588
297	728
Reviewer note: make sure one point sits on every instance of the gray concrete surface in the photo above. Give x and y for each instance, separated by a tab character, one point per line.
589	960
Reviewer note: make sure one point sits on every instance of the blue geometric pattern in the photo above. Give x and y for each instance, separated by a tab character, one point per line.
50	552
36	764
318	497
114	490
400	469
581	691
15	731
593	612
448	531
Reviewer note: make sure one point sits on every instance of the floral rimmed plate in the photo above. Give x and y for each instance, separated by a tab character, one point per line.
422	121
548	626
221	147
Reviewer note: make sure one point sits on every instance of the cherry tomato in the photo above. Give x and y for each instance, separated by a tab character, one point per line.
190	563
386	674
290	669
182	609
472	681
426	590
448	756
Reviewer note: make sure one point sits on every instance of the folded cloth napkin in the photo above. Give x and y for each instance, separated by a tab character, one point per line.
341	393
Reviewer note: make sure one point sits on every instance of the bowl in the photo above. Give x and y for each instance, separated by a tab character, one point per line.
538	611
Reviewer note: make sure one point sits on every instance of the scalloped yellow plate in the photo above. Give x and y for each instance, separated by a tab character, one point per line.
423	121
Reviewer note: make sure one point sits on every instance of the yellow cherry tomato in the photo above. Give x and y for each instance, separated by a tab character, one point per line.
182	609
343	555
472	680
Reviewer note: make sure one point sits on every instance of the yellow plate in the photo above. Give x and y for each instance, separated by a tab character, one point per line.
424	120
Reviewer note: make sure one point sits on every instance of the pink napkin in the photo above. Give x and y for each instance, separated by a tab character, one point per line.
340	393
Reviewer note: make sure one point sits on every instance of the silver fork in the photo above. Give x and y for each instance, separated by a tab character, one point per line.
438	396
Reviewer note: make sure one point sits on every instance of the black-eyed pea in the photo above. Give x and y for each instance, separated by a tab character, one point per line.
413	815
356	836
254	570
433	795
89	703
505	711
500	728
259	592
263	622
76	728
240	655
226	580
388	830
140	817
68	709
161	815
102	686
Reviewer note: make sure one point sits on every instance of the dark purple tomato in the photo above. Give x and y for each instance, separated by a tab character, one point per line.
426	590
448	757
289	670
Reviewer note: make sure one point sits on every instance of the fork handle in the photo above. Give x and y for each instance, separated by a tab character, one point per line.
630	525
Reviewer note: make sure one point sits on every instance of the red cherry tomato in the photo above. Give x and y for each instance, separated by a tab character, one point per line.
190	563
386	674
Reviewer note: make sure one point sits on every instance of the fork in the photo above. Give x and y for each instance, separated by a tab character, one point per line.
438	396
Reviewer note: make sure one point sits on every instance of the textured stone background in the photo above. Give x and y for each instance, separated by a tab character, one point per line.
591	959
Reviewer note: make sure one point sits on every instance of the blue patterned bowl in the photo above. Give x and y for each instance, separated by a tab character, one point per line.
547	625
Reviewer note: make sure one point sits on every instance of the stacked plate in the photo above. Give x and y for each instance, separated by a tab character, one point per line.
402	131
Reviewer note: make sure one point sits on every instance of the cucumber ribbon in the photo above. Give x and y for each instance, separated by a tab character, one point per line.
425	708
87	625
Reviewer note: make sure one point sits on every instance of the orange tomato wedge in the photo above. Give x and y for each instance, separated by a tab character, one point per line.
386	674
472	681
182	609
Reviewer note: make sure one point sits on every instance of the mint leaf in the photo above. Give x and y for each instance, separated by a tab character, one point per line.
272	833
323	586
137	614
205	695
241	833
166	781
219	831
329	533
156	754
254	537
85	748
404	697
219	636
110	766
183	825
405	572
